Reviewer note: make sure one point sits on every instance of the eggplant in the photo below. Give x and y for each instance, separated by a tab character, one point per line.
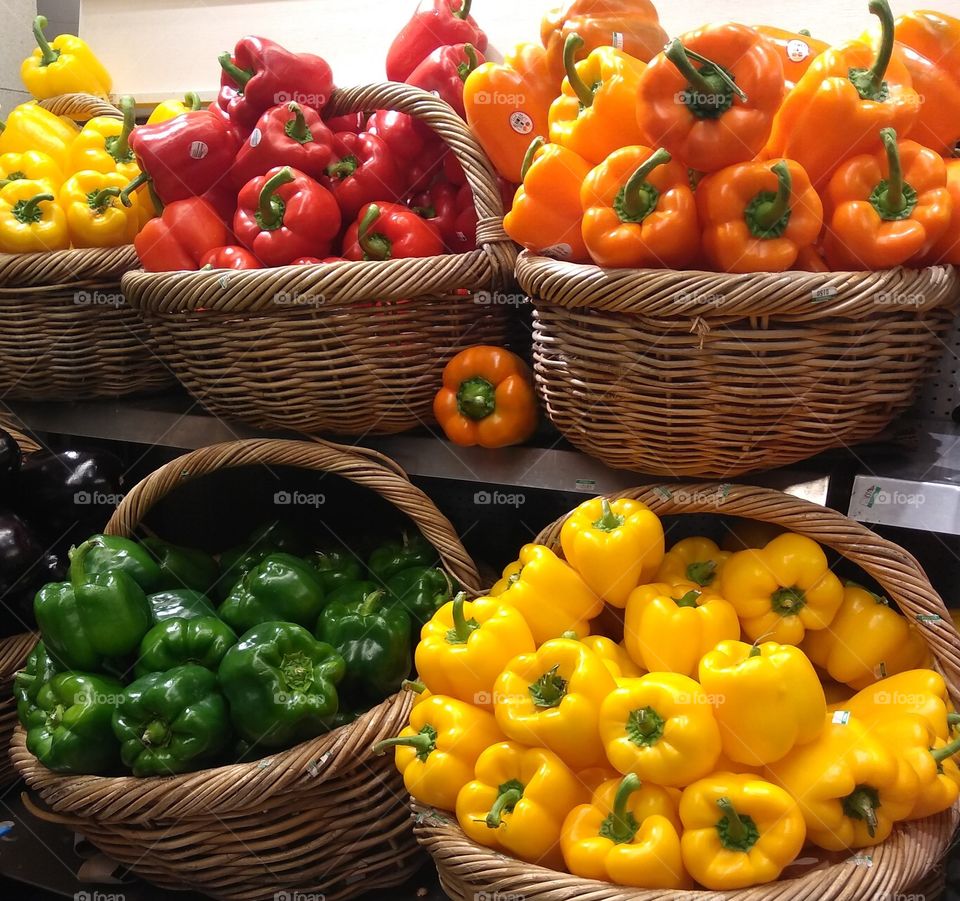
20	556
10	458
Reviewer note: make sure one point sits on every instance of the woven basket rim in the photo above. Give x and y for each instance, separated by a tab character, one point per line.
705	295
67	269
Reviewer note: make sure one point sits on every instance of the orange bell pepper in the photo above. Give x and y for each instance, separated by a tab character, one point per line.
810	259
846	96
887	209
595	113
720	111
507	105
628	25
947	249
797	50
757	217
639	211
546	213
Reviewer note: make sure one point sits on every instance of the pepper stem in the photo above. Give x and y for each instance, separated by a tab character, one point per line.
737	833
583	91
712	88
953	719
155	734
191	100
47	54
769	213
100	200
531	153
608	520
118	146
413	685
296	127
271	207
754	650
787	601
462	627
895	199
688	600
371	602
702	572
141	180
549	690
645	727
424	743
621	825
28	211
464	10
881	9
464	69
862	804
476	398
240	76
948	750
375	246
638	198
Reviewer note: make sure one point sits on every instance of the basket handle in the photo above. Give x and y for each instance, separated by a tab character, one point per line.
319	455
80	107
454	132
893	568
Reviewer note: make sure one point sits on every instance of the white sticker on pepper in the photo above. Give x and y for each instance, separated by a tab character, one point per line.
256	136
616	40
841	717
797	51
521	123
198	150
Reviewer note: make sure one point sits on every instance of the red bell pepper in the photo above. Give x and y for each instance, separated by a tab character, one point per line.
363	169
465	225
219	108
388	231
441	205
355	122
452	169
316	261
444	71
230	257
223	198
183	157
416	147
182	237
284	215
265	74
436	23
286	135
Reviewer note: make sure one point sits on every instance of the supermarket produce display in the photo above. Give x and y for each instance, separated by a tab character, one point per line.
424	610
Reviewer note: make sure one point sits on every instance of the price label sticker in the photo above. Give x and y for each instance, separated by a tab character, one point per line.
256	136
521	123
616	40
841	717
797	51
198	150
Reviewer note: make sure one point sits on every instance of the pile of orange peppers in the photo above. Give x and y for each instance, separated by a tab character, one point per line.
665	719
734	149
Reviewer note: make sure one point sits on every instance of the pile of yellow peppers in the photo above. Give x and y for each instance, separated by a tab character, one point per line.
662	720
60	184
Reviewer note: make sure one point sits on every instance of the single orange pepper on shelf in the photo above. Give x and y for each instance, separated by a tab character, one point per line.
711	96
887	209
487	398
639	211
797	50
846	96
757	217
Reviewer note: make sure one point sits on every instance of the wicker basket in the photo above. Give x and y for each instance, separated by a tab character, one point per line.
469	871
710	374
13	654
66	332
327	817
347	348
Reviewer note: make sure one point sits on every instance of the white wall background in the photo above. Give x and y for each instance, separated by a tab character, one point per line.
16	41
158	48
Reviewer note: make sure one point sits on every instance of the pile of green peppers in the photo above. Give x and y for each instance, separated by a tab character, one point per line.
160	659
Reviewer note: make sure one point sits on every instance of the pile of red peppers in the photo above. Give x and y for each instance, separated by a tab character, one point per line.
263	178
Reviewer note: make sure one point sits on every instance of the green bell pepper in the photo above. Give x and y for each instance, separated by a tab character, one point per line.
202	640
38	670
183	567
281	536
280	588
374	641
336	568
180	603
352	592
172	722
396	556
93	625
235	564
421	592
69	727
109	553
281	684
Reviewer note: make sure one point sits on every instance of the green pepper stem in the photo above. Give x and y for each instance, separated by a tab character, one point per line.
680	57
413	685
371	602
948	750
953	719
101	200
721	74
240	76
464	69
375	246
862	804
571	635
476	398
787	601
881	9
119	149
191	101
464	10
689	599
895	199
461	627
608	520
269	211
736	829
531	154
621	824
636	194
506	801
30	211
580	87
47	54
771	212
155	734
422	743
296	127
702	572
754	651
141	180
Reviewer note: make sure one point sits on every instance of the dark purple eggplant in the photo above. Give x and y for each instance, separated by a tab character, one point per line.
10	458
21	566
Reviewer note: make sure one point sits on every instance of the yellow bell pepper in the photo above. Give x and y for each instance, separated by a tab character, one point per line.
95	215
596	113
920	691
438	750
518	802
696	560
170	109
628	834
551	596
661	727
31	220
551	699
668	628
867	640
466	645
615	656
738	831
65	66
766	699
615	546
31	165
835	692
31	127
850	787
103	144
725	764
783	590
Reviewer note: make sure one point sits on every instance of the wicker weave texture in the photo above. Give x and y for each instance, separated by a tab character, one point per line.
326	817
468	871
13	654
707	374
347	348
